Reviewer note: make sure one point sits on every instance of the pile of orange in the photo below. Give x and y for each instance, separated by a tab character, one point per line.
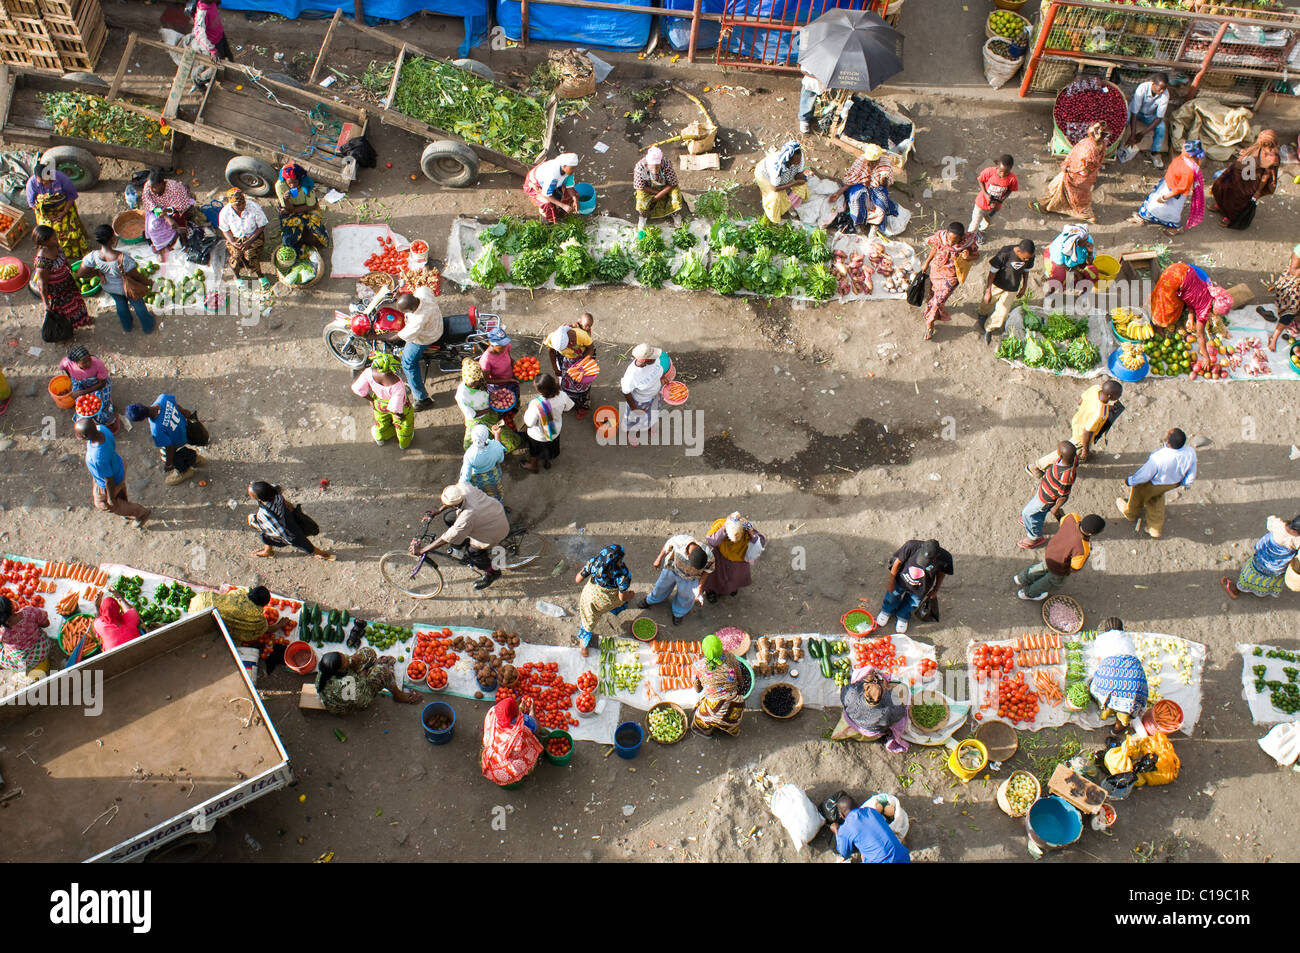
526	368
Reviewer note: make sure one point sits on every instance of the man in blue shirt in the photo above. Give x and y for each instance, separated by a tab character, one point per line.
107	472
167	422
1171	467
866	831
1147	114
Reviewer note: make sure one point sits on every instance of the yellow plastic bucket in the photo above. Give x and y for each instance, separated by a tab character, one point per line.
1107	270
955	764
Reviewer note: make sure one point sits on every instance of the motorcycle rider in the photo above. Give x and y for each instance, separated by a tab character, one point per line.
480	524
421	329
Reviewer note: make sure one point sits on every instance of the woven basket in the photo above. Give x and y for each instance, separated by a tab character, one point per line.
1051	600
1002	794
798	702
928	698
1053	75
1012	5
686	722
989	34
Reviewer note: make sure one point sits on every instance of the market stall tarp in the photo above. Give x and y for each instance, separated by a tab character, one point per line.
677	30
602	29
777	46
474	12
1283	668
1099	333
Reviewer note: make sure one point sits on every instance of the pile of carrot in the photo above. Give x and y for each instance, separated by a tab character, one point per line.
72	632
1042	649
675	660
77	572
1049	688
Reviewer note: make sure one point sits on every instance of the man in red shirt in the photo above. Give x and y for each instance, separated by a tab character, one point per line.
1067	552
997	182
1053	490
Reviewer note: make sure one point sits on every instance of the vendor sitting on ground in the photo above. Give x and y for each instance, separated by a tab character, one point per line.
873	709
1119	685
1069	259
23	645
347	684
241	611
114	625
866	194
782	181
657	192
1183	287
547	186
865	831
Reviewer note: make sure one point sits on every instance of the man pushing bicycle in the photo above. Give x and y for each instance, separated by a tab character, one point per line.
479	525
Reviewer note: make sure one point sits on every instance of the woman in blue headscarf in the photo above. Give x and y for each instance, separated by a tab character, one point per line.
1072	253
1164	204
781	180
481	465
607	589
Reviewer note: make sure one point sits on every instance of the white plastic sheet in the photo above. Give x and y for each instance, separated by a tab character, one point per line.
1262	711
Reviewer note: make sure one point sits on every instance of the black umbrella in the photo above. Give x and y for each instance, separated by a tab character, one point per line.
850	49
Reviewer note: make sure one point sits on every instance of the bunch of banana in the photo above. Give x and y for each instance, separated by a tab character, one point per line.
8	272
1131	356
1132	324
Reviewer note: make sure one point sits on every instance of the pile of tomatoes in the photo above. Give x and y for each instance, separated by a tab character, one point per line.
1016	701
586	703
540	683
20	584
88	405
431	658
928	665
991	659
559	747
526	368
388	259
587	682
879	653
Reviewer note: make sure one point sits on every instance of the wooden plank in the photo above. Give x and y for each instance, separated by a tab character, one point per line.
7	82
325	45
115	87
397	75
178	84
308	700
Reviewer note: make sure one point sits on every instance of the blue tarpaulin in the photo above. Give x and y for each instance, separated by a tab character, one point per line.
602	29
677	30
474	12
774	46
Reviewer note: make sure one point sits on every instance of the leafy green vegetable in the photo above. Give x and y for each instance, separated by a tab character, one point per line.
506	233
724	232
725	273
471	107
1033	350
1052	359
791	278
1082	354
1033	320
81	116
573	265
683	237
653	270
819	282
792	241
533	235
614	266
572	228
531	267
819	249
761	233
1061	327
1011	348
761	276
715	203
692	274
488	271
652	242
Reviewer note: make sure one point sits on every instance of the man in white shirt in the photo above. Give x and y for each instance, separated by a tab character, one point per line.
642	383
809	90
1170	467
243	225
683	563
423	328
1147	113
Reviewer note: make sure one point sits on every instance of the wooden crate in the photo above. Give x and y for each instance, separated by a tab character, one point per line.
60	9
34	35
10	237
85	20
83	54
30	9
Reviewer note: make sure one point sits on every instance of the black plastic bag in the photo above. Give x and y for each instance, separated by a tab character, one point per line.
199	244
918	289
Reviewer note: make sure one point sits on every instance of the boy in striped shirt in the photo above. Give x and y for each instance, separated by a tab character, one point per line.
1053	490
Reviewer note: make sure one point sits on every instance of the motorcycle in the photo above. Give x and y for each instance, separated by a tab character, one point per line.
354	336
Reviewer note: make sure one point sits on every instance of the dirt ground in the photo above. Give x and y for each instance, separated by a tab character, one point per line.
823	425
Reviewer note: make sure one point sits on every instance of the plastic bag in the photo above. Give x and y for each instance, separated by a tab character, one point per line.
1124	757
797	814
753	550
900	824
1282	743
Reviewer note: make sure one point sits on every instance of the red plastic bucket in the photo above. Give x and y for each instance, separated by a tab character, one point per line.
300	657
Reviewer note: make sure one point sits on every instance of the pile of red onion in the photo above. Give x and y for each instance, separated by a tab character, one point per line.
1087	100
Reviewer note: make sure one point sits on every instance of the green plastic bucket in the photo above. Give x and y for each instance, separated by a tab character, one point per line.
561	760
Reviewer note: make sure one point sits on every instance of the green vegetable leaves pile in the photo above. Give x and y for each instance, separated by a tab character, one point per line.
573	265
614	266
488	271
471	107
80	116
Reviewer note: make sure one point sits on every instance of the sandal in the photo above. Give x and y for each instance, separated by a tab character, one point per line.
1226	583
1037	207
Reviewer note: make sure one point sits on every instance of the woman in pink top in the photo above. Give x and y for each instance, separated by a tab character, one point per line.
386	391
115	627
209	34
499	370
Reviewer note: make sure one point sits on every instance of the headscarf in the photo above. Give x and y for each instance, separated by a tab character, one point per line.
550	175
559	339
233	194
1070	248
712	646
654	156
110	611
1114	643
1222	300
506	712
78	352
732	550
606	569
479	436
384	362
289	171
1266	140
1193	148
1099	125
471	375
567	158
778	165
872	152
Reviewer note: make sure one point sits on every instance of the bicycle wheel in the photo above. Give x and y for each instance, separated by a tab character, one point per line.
398	569
520	550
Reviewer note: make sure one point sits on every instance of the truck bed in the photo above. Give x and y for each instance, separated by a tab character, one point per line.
168	738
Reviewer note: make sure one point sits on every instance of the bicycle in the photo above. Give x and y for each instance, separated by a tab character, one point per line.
420	576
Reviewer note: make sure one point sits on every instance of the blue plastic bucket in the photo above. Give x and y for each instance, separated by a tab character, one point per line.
586	197
1052	823
436	708
628	751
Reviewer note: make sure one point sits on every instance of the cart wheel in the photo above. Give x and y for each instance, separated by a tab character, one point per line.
184	850
87	79
450	163
76	163
251	174
477	68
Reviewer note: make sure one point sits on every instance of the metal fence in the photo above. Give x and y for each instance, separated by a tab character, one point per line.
1237	54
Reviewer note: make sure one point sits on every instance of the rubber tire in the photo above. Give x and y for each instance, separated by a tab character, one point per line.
64	156
334	337
189	849
477	68
451	164
90	79
243	170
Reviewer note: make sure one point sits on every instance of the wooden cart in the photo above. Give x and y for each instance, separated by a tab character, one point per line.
265	123
23	122
448	159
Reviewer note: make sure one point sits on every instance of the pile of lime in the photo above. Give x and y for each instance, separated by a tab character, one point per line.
1008	24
